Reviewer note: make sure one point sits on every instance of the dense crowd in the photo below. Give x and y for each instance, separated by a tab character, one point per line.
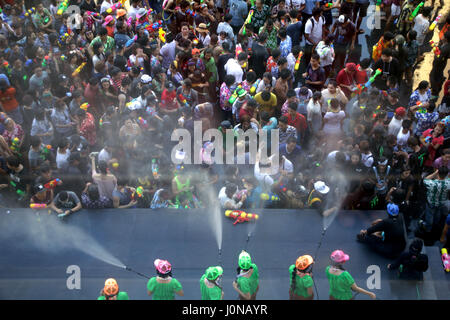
90	101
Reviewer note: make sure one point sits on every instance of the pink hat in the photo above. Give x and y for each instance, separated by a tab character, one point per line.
108	19
339	256
163	266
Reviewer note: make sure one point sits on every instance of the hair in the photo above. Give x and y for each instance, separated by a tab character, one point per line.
365	63
285	73
387	52
102	167
102	31
406	124
262	37
283	119
93	192
290	140
228	17
315	56
316	11
412	34
230	189
282	33
229	80
13	161
423	85
63	195
276	53
265	95
442	172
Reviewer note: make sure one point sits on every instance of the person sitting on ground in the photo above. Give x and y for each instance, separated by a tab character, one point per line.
411	264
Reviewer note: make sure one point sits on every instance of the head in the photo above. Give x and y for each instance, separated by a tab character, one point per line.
315	60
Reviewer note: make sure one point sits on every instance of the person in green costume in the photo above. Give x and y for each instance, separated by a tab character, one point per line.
301	281
163	286
111	291
210	284
341	282
247	280
181	187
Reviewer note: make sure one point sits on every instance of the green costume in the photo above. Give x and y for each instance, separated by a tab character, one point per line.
301	283
164	291
249	285
340	286
214	293
122	295
181	186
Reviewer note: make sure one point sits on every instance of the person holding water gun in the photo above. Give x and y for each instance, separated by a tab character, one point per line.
247	279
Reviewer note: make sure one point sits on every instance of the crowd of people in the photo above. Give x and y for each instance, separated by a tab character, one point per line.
90	101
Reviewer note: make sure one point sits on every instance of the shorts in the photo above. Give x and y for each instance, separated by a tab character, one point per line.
395	10
362	8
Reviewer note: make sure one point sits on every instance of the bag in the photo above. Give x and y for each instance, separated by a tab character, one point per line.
420	263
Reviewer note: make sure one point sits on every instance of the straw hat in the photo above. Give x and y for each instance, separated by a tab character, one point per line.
202	28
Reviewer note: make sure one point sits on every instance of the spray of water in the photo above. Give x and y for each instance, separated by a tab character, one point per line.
214	216
51	235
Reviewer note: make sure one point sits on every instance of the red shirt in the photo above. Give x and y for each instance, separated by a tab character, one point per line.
432	151
243	112
361	77
8	99
299	122
345	79
167	100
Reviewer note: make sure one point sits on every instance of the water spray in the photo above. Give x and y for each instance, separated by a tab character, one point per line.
315	256
248	239
220	257
138	273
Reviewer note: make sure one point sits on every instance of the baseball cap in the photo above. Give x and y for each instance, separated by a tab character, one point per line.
195	51
339	256
120	13
170	86
400	111
321	187
141	12
146	78
108	19
392	209
351	66
341	18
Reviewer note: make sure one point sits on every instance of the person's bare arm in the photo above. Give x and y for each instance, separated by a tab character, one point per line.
432	176
246	296
444	234
361	290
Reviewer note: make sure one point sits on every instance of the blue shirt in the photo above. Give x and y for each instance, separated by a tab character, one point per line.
286	46
238	9
309	6
293	156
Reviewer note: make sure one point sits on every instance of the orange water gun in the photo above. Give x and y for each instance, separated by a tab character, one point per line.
78	70
52	184
297	63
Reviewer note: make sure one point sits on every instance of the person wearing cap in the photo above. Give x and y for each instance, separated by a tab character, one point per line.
210	284
247	279
386	236
341	282
396	123
318	198
344	31
111	291
301	282
42	195
164	286
243	98
109	24
346	79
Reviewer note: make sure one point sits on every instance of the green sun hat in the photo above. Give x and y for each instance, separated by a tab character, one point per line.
245	261
212	273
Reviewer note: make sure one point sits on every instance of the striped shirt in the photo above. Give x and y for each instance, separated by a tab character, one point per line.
437	191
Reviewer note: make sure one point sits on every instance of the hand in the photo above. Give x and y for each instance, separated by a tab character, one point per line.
392	189
235	286
373	295
442	239
133	203
389	266
67	212
3	186
304	75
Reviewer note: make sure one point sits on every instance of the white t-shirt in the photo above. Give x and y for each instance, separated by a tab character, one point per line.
232	67
394	126
421	25
104	156
402	138
62	159
326	54
105	6
223	199
367	159
294	4
333	123
315	33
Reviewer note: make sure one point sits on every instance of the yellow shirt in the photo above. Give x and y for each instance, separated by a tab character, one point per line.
267	106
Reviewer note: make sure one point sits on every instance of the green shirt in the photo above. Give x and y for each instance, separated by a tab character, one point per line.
163	291
211	67
340	286
122	295
249	285
214	293
109	46
39	20
301	283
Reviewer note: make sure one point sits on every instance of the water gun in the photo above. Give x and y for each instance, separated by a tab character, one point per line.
63	57
421	109
129	21
15	144
52	184
62	7
143	122
162	35
445	259
7	67
191	13
368	84
435	22
378	5
435	47
150	11
38	205
329	5
240	216
85	106
297	63
183	100
252	2
153	27
45	151
45	61
234	95
416	11
139	192
30	12
247	21
93	14
114	7
238	49
269	197
155	169
18	191
254	86
376	111
78	70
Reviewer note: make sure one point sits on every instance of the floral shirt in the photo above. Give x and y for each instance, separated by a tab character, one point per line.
225	94
16	133
260	17
416	96
101	203
272	67
425	121
412	49
158	202
286	46
88	130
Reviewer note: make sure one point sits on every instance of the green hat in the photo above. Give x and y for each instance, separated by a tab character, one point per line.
245	261
241	93
212	273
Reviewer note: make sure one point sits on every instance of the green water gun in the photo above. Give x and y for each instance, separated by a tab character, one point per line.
247	21
378	5
252	2
416	11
